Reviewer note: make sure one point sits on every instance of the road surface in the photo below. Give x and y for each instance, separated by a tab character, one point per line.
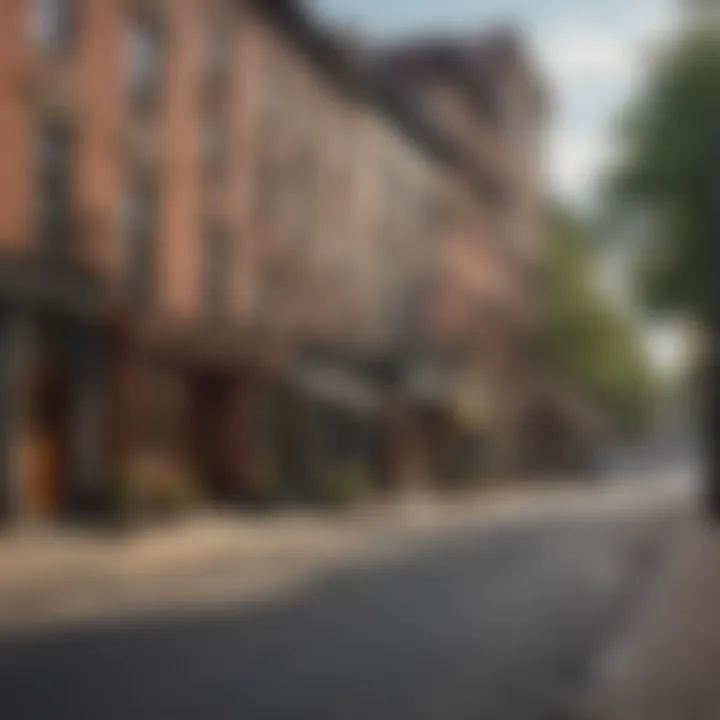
502	622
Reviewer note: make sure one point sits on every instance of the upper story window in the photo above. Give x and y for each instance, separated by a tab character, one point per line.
215	260
140	217
274	90
145	61
214	148
217	45
215	73
54	178
298	183
54	23
266	185
393	200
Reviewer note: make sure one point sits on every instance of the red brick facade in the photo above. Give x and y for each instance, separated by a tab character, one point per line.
297	207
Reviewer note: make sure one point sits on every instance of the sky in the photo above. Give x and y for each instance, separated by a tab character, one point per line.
592	55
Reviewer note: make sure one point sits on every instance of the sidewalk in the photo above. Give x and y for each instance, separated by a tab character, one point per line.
53	576
668	666
50	576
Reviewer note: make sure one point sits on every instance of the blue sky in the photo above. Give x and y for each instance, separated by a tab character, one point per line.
591	52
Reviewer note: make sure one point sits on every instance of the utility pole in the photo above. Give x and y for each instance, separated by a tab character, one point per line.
711	378
711	424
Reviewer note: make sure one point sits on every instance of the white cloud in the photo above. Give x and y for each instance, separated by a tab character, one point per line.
575	56
592	69
577	53
575	160
669	348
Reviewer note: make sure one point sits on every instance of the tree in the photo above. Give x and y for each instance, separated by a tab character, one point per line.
670	178
671	134
585	336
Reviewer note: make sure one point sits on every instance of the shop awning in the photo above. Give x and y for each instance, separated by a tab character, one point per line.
338	387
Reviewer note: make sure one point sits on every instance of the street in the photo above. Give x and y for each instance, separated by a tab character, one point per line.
480	621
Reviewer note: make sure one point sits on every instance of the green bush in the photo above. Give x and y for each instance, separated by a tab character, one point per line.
340	484
155	486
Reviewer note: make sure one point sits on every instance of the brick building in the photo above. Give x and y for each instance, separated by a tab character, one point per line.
484	95
232	248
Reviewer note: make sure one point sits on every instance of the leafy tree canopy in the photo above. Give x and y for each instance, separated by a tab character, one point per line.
585	336
670	175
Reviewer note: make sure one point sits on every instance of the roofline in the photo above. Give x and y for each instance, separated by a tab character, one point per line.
368	87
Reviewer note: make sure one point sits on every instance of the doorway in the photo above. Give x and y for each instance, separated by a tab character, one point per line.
44	446
212	442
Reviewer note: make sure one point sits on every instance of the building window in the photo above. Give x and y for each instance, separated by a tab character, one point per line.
215	267
274	91
55	154
214	148
215	73
270	128
304	188
217	46
266	187
145	62
140	228
54	23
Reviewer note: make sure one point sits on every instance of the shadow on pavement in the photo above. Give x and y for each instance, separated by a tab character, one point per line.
481	623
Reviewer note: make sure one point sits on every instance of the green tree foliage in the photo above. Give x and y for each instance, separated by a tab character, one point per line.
671	169
585	336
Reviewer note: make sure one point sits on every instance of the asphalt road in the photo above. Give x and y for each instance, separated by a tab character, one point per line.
502	623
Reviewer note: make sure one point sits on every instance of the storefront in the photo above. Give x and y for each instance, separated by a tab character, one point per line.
338	410
54	379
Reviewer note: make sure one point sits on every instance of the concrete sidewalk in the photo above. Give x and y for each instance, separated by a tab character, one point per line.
54	576
51	576
667	667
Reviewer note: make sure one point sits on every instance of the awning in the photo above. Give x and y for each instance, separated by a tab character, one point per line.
338	387
466	394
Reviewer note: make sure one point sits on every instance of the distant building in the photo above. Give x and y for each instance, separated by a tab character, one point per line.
484	94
